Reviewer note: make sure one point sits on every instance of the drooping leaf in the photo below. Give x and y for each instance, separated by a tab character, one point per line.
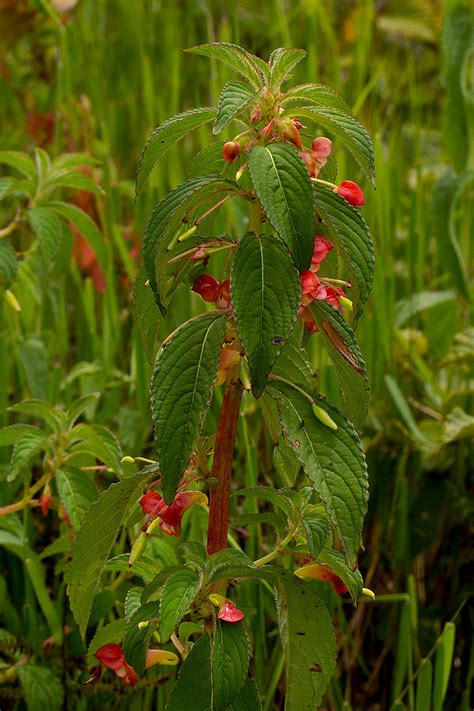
74	179
346	129
265	290
333	460
283	186
42	688
234	98
178	593
94	542
308	640
349	231
8	264
282	62
77	491
346	358
166	135
181	390
236	57
319	94
137	639
193	687
87	228
230	659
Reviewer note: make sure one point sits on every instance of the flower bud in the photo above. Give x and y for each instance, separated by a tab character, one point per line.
223	299
256	115
228	611
292	135
267	131
230	151
207	287
324	417
160	656
138	548
321	146
351	192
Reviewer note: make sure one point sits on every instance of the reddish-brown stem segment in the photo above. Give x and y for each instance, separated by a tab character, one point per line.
222	464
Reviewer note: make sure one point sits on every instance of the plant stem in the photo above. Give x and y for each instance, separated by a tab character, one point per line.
222	464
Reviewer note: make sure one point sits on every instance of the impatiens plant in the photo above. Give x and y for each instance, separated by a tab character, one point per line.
299	262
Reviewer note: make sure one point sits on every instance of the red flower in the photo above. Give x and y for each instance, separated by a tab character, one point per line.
230	151
332	296
308	320
311	288
207	287
154	505
310	162
292	135
112	656
351	192
256	115
46	500
321	147
322	572
228	611
322	247
223	298
267	131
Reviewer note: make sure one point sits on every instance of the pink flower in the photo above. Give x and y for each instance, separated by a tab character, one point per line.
351	192
311	288
223	296
228	611
321	147
322	247
112	656
171	516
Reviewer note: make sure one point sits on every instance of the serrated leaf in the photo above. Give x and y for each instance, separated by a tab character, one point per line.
166	135
79	405
226	563
27	447
74	179
281	498
347	130
136	640
74	160
349	231
248	698
283	186
167	217
209	161
317	532
235	97
113	632
333	460
20	161
178	593
132	602
41	687
39	409
236	57
265	292
94	542
8	265
145	567
181	391
192	690
11	434
87	228
277	521
293	364
230	659
282	62
308	641
286	463
97	441
35	361
352	579
346	358
146	315
77	491
317	93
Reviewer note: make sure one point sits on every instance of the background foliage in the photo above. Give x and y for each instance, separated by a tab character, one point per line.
96	79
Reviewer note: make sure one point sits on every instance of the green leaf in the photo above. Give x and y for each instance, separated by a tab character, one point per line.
166	135
317	531
39	409
282	62
333	460
265	289
178	593
41	687
98	441
346	358
248	698
8	264
228	563
292	363
234	98
145	567
283	186
79	405
193	689
319	94
308	641
418	302
167	217
236	57
35	361
347	130
209	161
444	660
286	463
19	161
74	179
77	491
136	640
350	233
352	579
87	228
94	542
229	662
12	433
181	391
74	160
146	315
423	687
113	632
27	448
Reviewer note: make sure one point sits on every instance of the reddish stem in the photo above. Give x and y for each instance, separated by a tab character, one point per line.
222	464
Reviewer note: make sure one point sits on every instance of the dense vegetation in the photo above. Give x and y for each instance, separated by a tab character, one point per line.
82	85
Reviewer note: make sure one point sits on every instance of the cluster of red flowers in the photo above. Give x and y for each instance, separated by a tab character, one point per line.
170	516
213	291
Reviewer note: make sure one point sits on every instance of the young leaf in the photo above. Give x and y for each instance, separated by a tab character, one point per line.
42	688
136	640
265	290
346	358
94	541
87	228
20	161
346	129
178	593
350	233
234	98
8	265
27	447
98	441
41	410
165	136
317	532
308	640
77	491
283	186
79	405
333	460
181	390
236	57
193	688
315	93
229	662
12	433
282	62
74	179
